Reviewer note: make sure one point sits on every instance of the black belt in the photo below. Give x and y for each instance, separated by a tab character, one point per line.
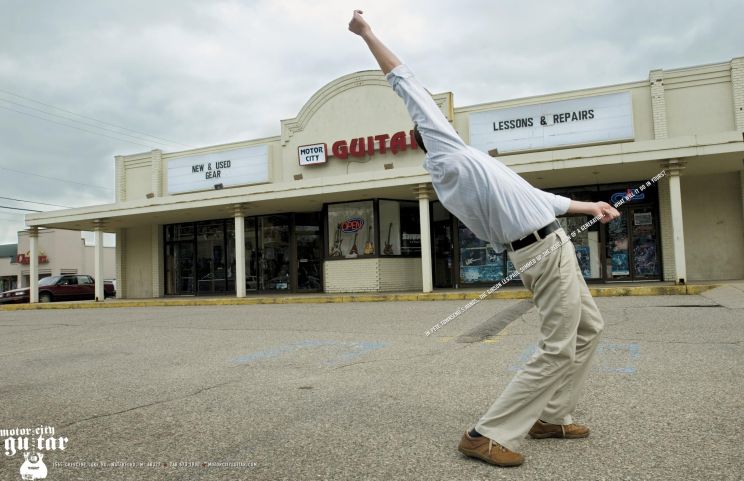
531	238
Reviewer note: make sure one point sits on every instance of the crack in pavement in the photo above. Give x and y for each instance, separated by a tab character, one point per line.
99	416
496	323
428	354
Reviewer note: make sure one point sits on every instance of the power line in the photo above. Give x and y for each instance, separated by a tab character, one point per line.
18	208
76	128
34	202
78	121
92	118
56	178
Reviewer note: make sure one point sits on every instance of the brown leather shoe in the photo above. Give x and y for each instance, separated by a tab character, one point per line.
489	451
543	430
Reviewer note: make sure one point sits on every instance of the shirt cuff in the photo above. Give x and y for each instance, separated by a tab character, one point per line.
401	71
561	204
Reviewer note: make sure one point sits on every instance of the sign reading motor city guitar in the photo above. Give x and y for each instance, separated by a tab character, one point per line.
566	123
312	154
248	165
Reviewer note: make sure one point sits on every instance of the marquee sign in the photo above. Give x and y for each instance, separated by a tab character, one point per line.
574	122
229	168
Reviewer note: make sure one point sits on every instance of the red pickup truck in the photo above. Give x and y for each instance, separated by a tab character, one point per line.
60	288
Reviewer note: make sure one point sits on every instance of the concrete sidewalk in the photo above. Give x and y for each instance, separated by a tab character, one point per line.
506	293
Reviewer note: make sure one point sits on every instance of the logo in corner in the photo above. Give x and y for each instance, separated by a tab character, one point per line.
33	467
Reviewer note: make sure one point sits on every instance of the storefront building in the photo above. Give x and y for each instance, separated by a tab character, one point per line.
59	252
340	202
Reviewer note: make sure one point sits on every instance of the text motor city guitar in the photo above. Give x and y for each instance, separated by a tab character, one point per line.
388	250
369	247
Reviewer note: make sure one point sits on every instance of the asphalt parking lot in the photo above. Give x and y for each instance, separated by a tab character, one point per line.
356	391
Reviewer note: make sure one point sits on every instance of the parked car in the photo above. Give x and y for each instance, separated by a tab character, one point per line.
60	288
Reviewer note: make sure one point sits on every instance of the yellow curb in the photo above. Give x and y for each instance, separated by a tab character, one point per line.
513	294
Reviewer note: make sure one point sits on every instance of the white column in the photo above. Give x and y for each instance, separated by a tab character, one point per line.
673	169
98	261
239	252
33	278
424	193
121	263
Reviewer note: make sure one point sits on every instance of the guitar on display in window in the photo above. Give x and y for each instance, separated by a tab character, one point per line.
369	247
354	251
337	241
388	249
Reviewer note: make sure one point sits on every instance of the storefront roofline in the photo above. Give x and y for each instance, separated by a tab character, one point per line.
628	152
305	196
216	204
203	150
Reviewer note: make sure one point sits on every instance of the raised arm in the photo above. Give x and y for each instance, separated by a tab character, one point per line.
384	56
438	134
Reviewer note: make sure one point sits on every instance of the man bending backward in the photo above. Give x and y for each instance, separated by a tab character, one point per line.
499	206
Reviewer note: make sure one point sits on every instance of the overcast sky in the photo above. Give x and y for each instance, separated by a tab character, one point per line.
196	73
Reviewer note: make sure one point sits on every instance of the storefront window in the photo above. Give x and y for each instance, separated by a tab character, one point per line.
179	268
645	256
586	244
618	261
351	230
479	262
309	251
179	232
401	221
251	255
273	238
211	259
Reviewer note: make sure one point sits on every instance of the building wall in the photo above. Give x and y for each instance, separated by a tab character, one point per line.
372	275
695	114
109	261
402	274
7	268
714	229
699	101
138	261
67	254
351	275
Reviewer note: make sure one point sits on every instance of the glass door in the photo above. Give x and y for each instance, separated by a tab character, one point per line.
310	251
586	244
273	249
645	260
443	243
211	261
251	255
179	268
617	260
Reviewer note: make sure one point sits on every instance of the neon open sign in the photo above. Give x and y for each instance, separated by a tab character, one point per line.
352	224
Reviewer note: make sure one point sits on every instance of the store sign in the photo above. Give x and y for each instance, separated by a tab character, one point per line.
312	154
249	165
352	224
631	195
25	259
587	120
367	146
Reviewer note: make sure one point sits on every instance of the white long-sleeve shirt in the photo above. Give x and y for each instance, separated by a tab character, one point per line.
492	200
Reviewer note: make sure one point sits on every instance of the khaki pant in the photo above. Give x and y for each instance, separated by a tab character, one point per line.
549	386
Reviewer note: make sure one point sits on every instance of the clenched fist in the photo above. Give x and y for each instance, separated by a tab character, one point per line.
358	25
